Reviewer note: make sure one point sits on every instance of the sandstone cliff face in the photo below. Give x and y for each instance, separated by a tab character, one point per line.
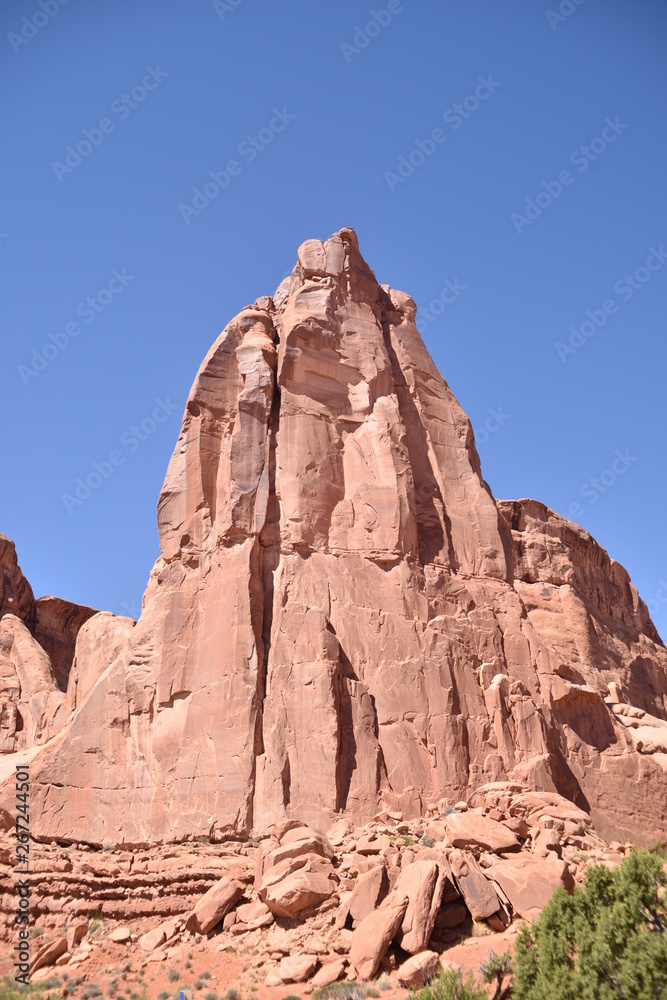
342	616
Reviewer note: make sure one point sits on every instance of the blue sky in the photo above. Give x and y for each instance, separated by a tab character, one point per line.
502	163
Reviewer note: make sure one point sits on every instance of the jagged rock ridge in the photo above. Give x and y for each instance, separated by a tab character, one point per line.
342	616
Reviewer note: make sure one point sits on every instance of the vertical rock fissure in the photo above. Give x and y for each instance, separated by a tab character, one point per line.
354	706
266	557
267	547
269	538
346	756
430	533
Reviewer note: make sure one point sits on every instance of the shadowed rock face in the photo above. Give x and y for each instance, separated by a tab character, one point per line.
342	616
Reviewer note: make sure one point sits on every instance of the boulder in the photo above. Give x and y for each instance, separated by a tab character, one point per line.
253	915
47	954
479	895
546	842
422	883
518	826
297	848
370	889
436	829
330	972
470	829
41	975
529	882
273	978
341	829
418	970
76	932
152	939
214	905
297	968
120	935
374	934
319	844
373	844
288	890
532	805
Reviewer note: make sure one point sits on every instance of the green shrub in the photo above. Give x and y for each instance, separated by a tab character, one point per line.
608	940
494	970
450	985
10	991
172	975
427	841
345	991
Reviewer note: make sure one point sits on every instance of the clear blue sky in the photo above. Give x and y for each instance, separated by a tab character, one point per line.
179	88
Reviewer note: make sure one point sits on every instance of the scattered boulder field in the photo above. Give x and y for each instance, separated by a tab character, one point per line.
394	899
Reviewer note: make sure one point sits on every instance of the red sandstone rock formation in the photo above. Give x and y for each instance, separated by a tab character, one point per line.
342	617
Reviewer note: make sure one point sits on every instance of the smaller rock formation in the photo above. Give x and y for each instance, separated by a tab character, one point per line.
37	642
